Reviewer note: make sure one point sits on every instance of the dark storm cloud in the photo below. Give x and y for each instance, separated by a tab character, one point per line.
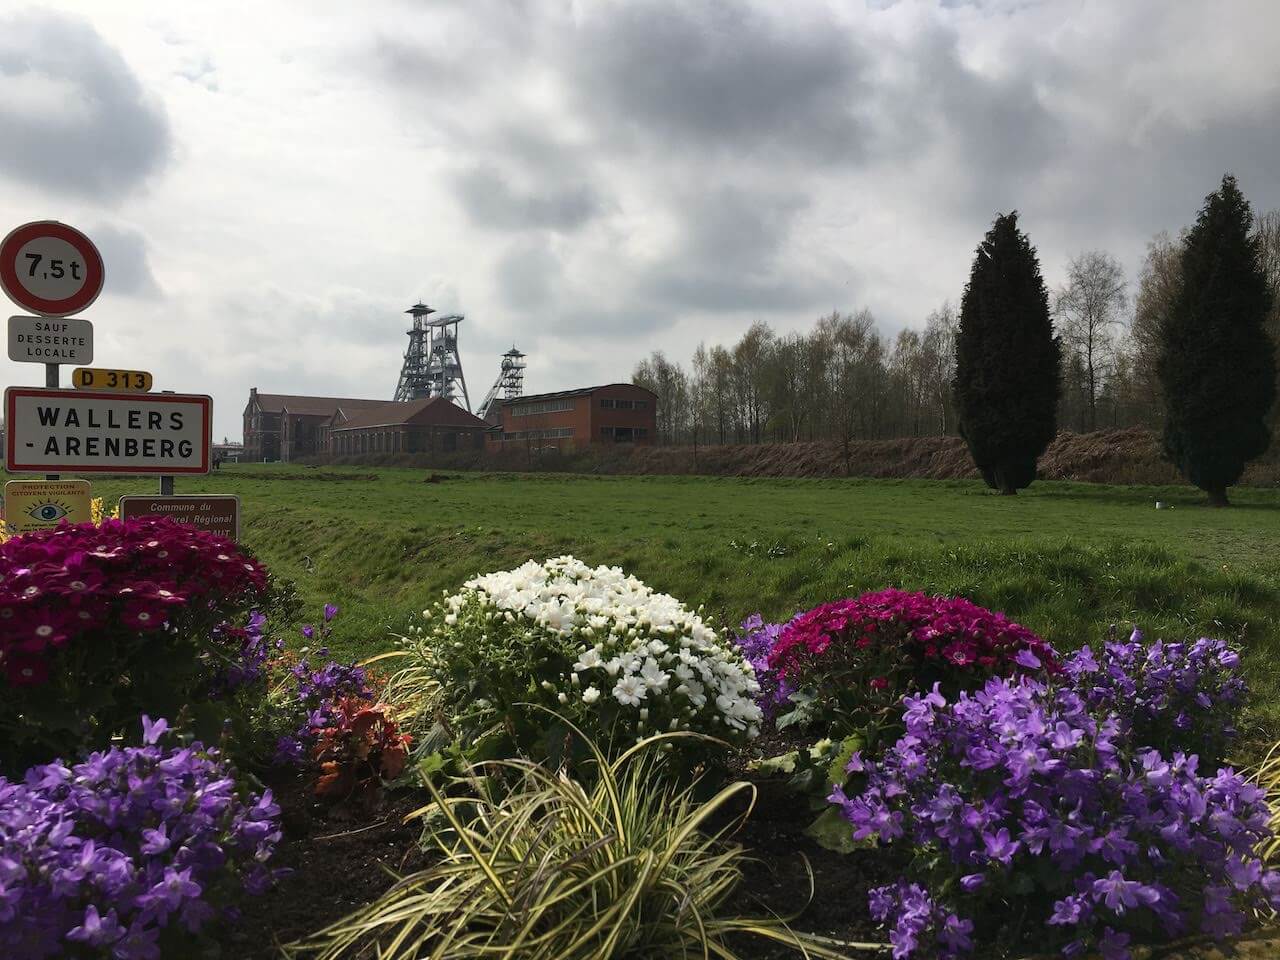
124	254
731	255
527	274
492	201
73	116
720	75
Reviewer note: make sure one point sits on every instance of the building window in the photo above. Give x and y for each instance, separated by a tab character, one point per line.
542	406
641	433
608	404
553	433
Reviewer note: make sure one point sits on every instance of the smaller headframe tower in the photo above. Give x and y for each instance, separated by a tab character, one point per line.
432	365
510	382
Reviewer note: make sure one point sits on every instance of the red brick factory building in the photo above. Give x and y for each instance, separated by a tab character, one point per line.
289	427
573	419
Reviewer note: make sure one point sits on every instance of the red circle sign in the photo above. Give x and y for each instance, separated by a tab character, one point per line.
51	269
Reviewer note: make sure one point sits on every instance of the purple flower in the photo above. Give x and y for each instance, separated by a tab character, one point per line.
96	931
151	732
1112	835
330	611
1000	847
107	852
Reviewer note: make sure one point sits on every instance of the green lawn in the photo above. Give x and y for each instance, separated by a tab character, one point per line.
1065	559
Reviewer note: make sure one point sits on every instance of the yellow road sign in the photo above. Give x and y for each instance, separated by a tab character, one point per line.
43	504
98	378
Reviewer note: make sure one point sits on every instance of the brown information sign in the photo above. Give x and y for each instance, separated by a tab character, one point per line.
217	514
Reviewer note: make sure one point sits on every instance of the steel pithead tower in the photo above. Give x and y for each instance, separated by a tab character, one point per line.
432	366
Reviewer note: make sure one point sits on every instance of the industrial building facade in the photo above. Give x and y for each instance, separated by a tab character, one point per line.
289	427
430	425
574	419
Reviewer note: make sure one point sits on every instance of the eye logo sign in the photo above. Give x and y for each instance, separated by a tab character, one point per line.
43	504
50	512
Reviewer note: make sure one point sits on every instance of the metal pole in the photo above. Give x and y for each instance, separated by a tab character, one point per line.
166	480
51	380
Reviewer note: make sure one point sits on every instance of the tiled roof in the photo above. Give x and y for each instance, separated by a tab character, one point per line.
435	411
580	392
311	406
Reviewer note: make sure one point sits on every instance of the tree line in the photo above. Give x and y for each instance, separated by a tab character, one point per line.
844	380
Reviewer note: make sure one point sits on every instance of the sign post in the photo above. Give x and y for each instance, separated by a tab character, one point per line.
53	270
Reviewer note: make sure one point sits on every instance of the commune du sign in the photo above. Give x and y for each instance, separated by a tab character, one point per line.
79	431
216	514
45	340
50	268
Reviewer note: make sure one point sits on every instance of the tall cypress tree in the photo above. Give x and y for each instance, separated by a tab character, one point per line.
1007	360
1216	363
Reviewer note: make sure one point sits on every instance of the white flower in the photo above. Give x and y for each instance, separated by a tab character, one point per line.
653	676
590	695
451	618
629	690
562	698
683	672
588	659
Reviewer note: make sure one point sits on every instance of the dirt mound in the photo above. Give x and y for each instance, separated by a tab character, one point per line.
1126	456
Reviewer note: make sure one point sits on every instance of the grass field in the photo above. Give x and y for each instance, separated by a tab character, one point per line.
1065	559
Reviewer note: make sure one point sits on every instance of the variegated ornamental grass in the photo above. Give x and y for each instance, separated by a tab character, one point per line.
623	865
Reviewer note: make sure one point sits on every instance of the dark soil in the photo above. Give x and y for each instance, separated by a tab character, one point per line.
339	859
777	877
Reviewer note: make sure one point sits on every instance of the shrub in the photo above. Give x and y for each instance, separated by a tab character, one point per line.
1032	820
101	623
600	648
850	662
128	852
620	868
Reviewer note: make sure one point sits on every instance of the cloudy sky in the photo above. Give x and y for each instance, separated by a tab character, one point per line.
272	184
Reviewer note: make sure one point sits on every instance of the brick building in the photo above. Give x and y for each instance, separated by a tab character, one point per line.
574	419
432	425
282	426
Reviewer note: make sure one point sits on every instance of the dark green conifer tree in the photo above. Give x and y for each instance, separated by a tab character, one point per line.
1216	362
1007	360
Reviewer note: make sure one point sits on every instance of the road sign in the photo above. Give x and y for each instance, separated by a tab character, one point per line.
50	268
78	431
43	504
217	514
123	381
50	340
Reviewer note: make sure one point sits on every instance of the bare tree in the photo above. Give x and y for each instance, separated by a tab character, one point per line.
1090	307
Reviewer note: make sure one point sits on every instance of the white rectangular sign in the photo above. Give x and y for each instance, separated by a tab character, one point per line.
42	340
80	431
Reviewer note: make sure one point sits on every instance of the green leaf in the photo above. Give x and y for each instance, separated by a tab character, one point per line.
832	831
